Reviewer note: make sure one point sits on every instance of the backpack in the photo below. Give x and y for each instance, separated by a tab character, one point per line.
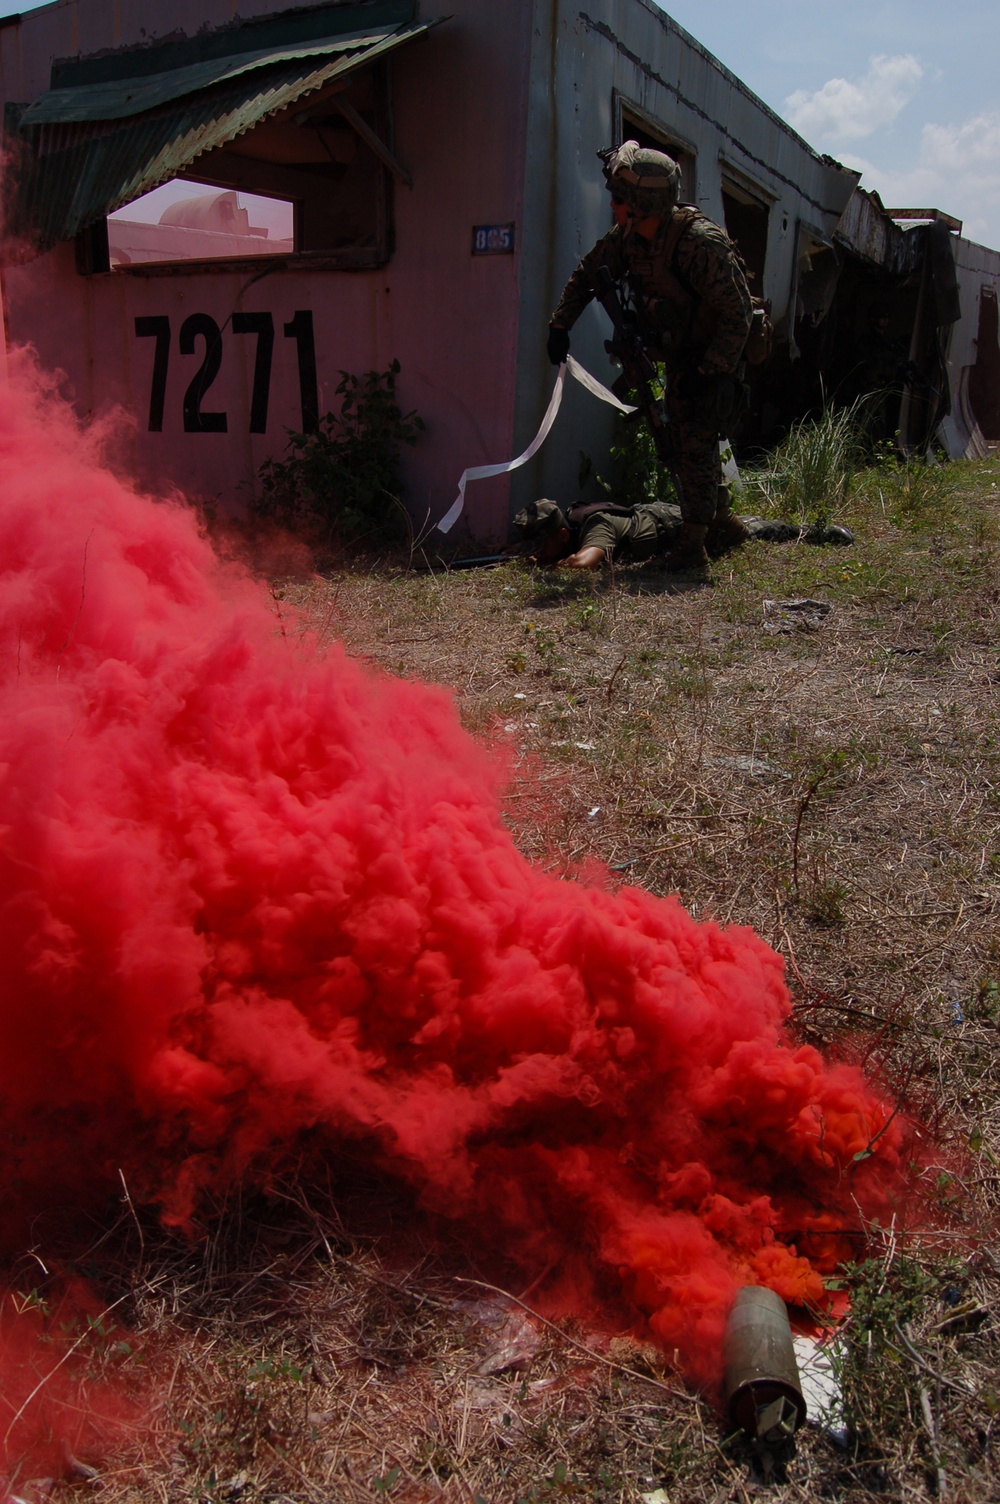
760	339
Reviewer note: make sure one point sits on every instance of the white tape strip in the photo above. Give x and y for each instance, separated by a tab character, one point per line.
482	472
593	386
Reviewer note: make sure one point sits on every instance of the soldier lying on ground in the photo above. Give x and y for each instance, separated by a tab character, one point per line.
589	536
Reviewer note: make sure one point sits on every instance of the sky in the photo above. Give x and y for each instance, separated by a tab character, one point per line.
906	91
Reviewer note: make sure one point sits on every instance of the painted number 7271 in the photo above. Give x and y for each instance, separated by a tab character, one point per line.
202	326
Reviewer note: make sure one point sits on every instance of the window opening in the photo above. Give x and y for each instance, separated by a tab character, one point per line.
746	223
635	125
314	179
191	221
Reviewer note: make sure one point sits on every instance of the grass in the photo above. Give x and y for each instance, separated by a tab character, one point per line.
838	789
808	476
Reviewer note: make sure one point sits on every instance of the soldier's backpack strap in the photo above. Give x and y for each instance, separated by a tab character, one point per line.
583	511
683	216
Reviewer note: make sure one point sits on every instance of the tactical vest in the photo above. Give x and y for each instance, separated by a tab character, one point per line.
675	319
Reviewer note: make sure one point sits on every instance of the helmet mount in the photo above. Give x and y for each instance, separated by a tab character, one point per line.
645	180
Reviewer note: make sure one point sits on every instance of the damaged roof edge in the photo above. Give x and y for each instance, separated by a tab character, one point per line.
845	178
668	23
935	216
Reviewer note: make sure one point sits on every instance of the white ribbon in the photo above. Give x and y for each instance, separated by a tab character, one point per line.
482	472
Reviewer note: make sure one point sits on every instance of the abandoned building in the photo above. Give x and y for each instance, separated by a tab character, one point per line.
212	212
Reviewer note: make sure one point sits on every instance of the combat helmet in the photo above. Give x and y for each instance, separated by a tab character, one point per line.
648	181
539	518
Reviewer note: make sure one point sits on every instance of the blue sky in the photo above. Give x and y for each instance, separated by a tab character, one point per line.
908	91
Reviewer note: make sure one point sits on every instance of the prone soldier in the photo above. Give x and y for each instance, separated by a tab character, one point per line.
685	283
587	537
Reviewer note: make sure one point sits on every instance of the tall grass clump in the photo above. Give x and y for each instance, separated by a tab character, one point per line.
811	472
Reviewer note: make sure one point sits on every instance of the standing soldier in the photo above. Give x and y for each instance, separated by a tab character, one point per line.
686	286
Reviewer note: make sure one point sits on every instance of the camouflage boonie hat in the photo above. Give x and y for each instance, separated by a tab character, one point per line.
540	517
648	181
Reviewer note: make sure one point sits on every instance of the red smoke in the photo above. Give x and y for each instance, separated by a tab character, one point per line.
53	1405
249	889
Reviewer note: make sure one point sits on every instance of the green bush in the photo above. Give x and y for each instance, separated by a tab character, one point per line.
340	484
638	475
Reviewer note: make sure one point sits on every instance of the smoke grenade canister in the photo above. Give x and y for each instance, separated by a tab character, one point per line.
762	1391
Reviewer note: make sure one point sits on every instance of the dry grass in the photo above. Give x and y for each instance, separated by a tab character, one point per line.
836	788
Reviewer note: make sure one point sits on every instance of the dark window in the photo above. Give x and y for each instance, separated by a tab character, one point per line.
634	124
746	219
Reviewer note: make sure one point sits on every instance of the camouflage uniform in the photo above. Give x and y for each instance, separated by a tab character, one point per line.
628	534
695	311
631	535
649	530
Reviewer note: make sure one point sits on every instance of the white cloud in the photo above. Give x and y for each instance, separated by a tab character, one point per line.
957	170
964	148
846	111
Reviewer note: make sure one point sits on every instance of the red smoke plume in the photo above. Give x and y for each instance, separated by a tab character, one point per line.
249	889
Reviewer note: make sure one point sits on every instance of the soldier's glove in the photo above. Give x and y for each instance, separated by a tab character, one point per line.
558	344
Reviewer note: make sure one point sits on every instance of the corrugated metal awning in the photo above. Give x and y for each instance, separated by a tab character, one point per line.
119	98
89	148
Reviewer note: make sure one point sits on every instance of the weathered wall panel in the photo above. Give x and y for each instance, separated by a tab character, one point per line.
978	272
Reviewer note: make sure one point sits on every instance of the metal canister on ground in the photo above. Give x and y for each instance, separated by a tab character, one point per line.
763	1394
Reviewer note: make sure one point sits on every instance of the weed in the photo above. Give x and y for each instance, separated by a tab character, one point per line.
386	1482
638	475
269	1368
985	1004
543	642
808	477
587	616
339	484
886	1297
824	905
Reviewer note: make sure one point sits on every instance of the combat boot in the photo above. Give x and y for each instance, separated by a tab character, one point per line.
725	532
688	554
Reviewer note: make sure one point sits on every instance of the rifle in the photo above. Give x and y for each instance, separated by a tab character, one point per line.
638	370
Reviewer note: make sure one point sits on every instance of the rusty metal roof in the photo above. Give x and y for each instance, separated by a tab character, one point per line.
86	149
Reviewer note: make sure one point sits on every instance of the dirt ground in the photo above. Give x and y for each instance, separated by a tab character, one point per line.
827	773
